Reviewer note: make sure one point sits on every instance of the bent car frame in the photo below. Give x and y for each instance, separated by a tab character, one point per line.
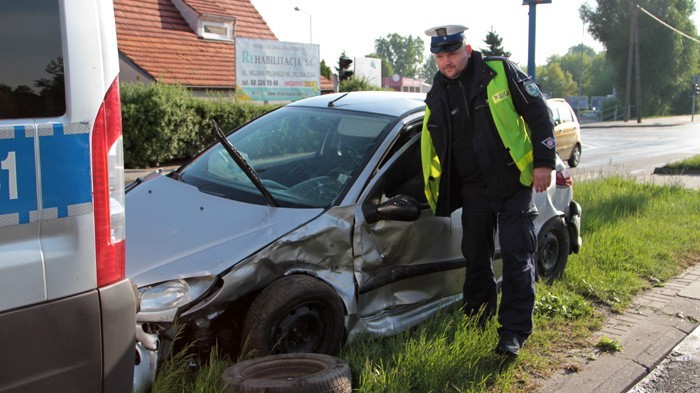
304	229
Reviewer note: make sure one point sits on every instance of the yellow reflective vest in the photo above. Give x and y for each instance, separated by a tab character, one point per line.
512	129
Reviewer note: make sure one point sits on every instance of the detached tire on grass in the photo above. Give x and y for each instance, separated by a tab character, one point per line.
289	373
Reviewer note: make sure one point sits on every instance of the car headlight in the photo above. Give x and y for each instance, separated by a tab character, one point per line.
174	294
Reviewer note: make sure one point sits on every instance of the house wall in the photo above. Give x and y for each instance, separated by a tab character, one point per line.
129	73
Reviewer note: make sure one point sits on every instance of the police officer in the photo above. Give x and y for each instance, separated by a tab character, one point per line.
487	145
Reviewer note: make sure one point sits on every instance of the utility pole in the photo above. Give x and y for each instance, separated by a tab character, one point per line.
633	59
637	66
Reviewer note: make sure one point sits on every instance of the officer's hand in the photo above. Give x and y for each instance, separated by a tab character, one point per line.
543	177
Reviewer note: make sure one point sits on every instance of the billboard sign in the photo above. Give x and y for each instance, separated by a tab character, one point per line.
369	69
268	70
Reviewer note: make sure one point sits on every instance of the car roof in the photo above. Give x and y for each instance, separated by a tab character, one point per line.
380	102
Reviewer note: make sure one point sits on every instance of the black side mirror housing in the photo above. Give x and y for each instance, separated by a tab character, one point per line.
397	208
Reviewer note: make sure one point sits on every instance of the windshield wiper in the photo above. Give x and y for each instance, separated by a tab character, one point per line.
243	164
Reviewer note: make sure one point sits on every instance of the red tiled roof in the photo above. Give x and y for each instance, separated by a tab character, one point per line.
326	84
206	7
153	35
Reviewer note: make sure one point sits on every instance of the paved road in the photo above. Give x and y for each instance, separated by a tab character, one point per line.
636	149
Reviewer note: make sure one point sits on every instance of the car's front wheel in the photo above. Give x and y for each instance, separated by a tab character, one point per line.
552	250
295	314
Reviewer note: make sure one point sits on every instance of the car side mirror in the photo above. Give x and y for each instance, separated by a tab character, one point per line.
397	208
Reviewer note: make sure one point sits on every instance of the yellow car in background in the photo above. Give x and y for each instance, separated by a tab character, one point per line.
567	131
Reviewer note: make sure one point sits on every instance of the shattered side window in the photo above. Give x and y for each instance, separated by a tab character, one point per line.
404	174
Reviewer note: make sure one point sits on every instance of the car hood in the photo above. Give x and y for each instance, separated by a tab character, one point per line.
176	231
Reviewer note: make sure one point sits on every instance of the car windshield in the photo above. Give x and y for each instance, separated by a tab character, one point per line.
305	157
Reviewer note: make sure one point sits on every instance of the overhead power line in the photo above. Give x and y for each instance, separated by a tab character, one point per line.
666	24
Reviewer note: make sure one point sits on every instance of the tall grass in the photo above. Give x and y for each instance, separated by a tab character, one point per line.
634	236
688	165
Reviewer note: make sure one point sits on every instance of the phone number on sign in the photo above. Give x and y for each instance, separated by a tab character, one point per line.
259	82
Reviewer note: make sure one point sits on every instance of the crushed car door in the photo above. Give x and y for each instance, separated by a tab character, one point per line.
405	268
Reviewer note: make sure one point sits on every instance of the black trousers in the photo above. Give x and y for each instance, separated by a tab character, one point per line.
514	218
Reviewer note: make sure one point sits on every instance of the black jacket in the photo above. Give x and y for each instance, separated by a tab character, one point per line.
500	174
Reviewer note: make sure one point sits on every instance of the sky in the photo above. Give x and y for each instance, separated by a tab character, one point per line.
353	26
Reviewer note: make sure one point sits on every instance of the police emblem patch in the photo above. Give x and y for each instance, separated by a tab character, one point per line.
531	88
549	142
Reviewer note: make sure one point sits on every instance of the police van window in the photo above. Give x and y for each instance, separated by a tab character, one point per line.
31	60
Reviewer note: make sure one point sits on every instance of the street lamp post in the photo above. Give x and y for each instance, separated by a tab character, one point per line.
310	34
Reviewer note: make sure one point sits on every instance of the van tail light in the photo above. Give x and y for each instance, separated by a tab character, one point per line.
108	189
563	178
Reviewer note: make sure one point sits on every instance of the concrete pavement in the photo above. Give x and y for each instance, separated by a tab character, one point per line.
649	331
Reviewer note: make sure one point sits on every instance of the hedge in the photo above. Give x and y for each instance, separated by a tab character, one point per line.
166	123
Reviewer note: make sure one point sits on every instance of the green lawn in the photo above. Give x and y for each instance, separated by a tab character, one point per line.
635	235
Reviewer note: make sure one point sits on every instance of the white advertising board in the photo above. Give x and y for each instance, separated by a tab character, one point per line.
370	69
268	70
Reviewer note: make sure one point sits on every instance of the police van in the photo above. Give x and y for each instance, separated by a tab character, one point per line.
67	311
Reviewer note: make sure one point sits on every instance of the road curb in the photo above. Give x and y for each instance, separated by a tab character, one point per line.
655	323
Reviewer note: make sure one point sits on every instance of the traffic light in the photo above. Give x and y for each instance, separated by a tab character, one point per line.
344	72
696	88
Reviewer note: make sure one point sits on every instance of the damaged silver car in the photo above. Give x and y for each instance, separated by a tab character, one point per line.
304	229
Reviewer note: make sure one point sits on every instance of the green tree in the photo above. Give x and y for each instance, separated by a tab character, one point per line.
429	69
554	81
405	54
325	70
493	40
668	60
601	77
588	70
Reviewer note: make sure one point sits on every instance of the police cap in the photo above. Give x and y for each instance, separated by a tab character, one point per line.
447	38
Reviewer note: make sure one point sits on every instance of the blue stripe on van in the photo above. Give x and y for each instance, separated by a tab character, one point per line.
65	170
18	161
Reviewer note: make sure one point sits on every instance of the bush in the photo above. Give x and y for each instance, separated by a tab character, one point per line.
358	84
164	123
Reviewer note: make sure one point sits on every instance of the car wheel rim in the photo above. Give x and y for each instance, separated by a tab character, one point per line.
300	330
549	254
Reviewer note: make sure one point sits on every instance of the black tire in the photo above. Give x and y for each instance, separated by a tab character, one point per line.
575	158
552	250
295	314
289	373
